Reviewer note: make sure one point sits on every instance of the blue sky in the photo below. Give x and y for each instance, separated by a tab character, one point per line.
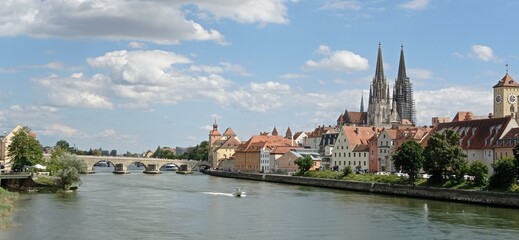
133	75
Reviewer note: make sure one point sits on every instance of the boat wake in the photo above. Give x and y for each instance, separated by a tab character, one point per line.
223	194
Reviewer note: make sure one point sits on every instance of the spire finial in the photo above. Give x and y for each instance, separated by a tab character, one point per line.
379	44
402	46
506	69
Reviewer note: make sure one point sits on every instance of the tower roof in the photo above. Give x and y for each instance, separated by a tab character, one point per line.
506	81
379	71
401	66
229	132
274	132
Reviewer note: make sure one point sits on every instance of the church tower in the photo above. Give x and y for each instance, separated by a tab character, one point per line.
379	107
403	92
214	136
505	97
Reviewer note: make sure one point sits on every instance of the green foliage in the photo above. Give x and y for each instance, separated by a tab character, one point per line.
24	149
324	174
113	153
409	156
479	171
62	144
304	163
346	171
444	156
504	174
199	152
69	166
516	160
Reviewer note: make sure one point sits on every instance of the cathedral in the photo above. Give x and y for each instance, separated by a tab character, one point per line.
384	110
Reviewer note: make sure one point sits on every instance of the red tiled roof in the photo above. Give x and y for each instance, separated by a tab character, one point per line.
507	81
480	133
229	132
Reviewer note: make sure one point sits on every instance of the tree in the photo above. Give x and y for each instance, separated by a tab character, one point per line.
410	157
479	171
516	160
504	175
24	149
113	153
199	152
304	163
63	145
68	168
443	155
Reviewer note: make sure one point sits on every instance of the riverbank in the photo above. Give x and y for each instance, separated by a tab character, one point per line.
6	207
495	199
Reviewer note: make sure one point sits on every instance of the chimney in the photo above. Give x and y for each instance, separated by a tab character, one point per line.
490	115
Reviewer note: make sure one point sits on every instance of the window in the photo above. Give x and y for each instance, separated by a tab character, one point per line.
354	154
349	154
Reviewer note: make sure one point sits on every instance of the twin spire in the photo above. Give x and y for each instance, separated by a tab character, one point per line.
380	109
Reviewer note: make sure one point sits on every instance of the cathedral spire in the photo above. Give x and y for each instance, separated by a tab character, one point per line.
401	66
379	71
362	102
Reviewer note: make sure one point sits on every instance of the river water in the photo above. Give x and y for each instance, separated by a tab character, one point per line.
197	206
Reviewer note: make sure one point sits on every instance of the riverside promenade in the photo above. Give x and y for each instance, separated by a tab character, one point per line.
494	199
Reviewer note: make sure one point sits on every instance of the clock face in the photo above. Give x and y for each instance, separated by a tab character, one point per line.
512	98
498	98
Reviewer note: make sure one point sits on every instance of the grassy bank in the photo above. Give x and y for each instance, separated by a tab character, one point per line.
394	179
6	207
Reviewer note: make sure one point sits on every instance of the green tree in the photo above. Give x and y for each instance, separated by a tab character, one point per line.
479	170
304	163
63	145
346	171
199	152
113	153
504	175
443	155
68	168
24	149
516	160
409	156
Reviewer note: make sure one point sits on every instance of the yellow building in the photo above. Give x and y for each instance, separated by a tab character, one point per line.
506	92
5	141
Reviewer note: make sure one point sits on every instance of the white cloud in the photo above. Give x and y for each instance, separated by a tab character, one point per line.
60	130
419	74
246	11
341	60
341	5
447	102
223	67
136	45
162	22
415	5
262	97
484	53
76	91
293	76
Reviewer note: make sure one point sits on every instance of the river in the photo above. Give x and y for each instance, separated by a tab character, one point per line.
197	206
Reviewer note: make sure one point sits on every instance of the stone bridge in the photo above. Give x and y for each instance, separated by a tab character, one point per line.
152	165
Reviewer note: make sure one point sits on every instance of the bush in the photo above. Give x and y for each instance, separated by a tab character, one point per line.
479	171
346	171
504	174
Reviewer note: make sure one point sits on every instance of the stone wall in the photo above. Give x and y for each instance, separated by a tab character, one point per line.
468	196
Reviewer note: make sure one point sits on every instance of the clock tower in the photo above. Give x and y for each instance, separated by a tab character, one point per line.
506	93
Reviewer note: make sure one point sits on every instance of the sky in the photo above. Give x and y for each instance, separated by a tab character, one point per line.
134	75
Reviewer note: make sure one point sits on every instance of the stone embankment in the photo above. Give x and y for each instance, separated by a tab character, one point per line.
498	199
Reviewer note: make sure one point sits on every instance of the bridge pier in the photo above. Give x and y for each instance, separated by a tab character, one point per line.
90	170
152	169
120	168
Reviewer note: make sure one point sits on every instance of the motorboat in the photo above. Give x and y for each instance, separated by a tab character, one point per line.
170	167
238	192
